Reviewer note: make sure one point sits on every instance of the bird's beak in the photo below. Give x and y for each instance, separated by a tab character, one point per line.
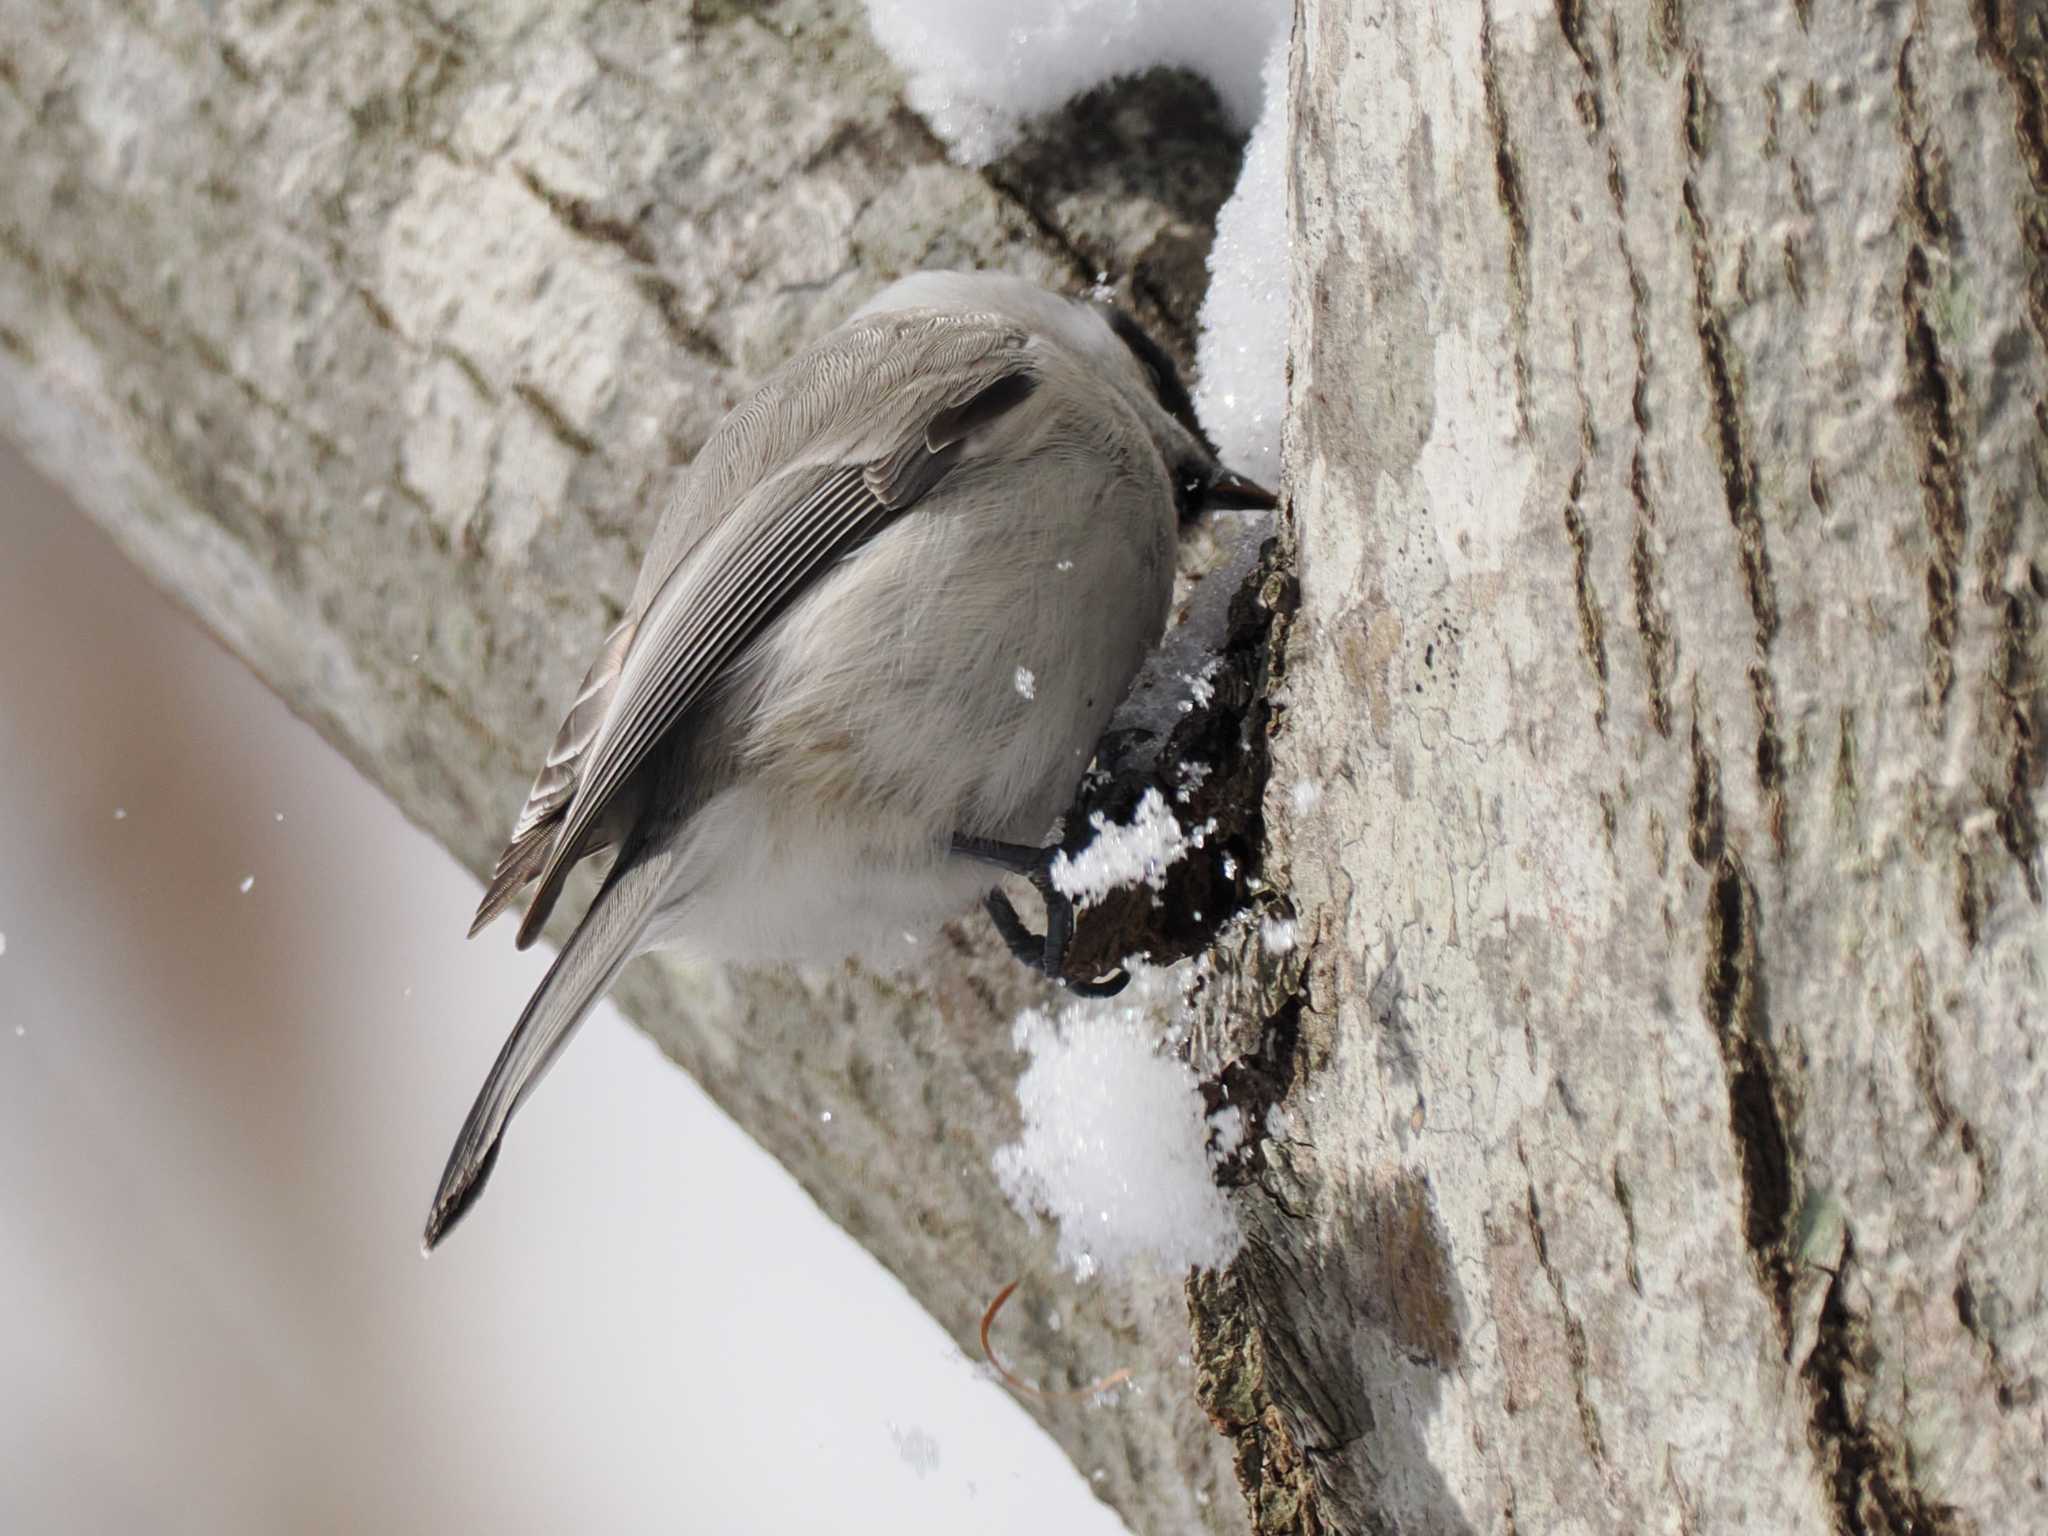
1231	492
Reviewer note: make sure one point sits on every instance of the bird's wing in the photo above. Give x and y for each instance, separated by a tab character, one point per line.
555	784
923	409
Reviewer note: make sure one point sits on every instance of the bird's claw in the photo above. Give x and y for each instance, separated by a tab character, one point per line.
1048	954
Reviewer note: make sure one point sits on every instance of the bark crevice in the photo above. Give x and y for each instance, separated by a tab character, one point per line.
1508	189
1932	405
1868	1468
1574	1330
1592	632
1761	1099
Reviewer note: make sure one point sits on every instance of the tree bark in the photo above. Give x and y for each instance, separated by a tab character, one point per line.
377	334
1658	779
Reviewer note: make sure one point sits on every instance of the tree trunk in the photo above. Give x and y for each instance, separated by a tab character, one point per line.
1658	781
1640	1125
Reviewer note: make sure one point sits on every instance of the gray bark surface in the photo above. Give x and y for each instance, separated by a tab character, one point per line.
1658	777
378	333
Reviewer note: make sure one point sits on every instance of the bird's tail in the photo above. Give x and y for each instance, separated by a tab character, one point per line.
603	942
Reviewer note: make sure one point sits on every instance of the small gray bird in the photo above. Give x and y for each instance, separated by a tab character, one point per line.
871	650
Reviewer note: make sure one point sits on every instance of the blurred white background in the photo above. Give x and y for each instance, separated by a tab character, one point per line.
222	1111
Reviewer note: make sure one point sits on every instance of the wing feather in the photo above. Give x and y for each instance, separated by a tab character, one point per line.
696	627
555	785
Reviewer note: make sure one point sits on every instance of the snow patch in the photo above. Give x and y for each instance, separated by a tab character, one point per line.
1241	352
1115	1144
1027	683
977	72
1139	853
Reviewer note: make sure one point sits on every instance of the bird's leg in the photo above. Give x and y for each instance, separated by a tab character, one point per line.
1047	955
1026	946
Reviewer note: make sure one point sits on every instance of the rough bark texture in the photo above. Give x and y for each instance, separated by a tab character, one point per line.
377	333
1659	775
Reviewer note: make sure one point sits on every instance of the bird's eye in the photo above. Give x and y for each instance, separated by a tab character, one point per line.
1190	487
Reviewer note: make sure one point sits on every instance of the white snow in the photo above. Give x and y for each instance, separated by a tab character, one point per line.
1027	683
1241	354
976	71
1115	1142
120	813
3	943
248	884
1278	935
1139	853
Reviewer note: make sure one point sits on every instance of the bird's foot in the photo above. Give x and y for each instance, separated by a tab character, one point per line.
1048	954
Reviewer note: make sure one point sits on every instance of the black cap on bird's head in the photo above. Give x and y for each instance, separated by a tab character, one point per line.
1201	483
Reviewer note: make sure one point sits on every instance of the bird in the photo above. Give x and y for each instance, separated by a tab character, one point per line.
878	631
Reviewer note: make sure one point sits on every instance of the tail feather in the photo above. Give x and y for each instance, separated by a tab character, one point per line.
519	864
603	942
